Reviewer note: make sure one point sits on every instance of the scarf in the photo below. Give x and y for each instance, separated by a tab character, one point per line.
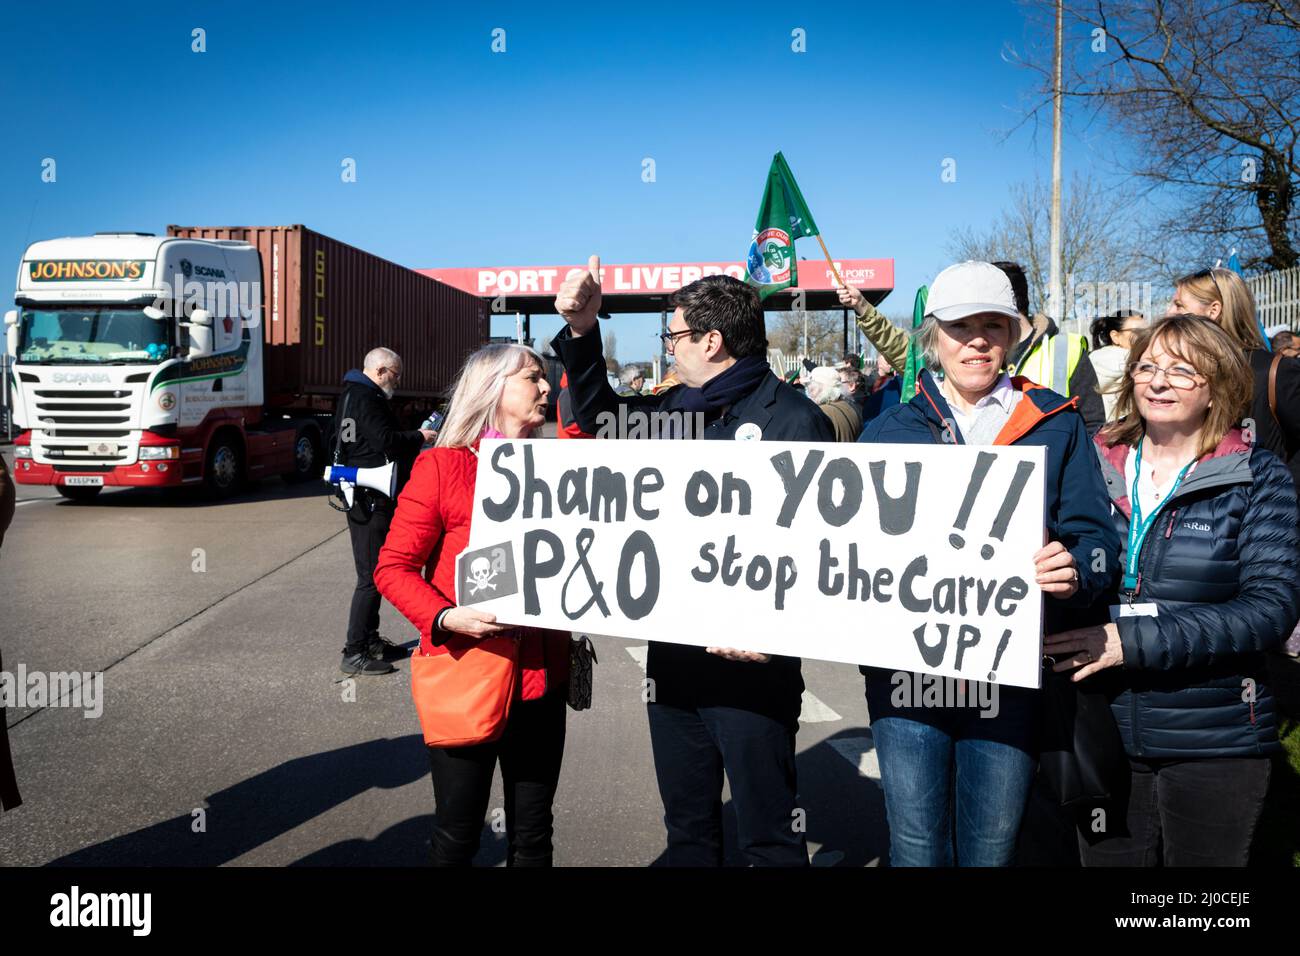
728	387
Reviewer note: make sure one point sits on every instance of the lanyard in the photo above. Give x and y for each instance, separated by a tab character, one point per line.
1138	527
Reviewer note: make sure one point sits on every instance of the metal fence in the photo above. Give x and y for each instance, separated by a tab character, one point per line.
783	364
1277	297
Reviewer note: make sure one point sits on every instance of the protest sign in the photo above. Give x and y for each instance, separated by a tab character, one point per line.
909	557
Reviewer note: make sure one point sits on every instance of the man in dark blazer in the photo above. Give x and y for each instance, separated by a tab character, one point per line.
368	435
718	709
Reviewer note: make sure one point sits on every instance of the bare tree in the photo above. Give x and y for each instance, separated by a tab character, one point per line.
825	332
1103	266
611	345
1208	92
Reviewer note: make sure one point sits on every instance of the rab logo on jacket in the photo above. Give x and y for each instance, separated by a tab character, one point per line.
1196	526
486	573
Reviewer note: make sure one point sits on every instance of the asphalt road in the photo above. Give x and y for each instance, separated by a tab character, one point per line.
226	736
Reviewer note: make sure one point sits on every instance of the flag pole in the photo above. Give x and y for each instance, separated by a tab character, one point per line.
834	271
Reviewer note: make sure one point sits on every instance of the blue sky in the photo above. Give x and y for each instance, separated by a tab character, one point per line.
467	157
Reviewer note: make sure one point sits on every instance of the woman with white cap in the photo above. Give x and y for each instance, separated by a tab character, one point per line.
956	779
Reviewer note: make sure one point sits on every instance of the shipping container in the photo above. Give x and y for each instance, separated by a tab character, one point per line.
326	303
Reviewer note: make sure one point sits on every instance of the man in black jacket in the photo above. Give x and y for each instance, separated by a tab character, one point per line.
716	709
367	436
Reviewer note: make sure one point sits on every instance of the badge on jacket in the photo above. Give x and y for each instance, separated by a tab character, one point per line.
749	432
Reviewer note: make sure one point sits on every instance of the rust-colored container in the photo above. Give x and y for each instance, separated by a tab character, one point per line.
325	304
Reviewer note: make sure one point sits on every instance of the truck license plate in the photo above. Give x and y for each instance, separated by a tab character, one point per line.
96	480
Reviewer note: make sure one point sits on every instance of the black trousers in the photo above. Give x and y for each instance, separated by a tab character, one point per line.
692	748
530	751
1185	813
367	538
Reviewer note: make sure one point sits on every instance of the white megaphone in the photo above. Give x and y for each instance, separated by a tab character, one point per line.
382	479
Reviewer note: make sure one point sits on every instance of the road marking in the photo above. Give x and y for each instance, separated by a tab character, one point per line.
31	501
861	752
813	710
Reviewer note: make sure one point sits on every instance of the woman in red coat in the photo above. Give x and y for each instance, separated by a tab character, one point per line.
501	392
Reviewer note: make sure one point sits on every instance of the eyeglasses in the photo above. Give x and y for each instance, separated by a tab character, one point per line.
1176	376
670	338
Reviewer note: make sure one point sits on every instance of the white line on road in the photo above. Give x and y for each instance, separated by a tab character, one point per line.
813	710
861	752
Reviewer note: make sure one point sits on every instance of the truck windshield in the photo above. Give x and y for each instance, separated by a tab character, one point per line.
92	334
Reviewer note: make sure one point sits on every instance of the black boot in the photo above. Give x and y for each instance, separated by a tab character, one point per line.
362	665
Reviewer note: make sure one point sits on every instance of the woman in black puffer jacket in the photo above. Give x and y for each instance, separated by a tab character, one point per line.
1209	583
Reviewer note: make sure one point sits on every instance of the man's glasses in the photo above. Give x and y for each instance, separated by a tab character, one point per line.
1177	376
670	338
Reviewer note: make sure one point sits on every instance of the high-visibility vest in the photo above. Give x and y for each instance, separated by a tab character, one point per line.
1050	365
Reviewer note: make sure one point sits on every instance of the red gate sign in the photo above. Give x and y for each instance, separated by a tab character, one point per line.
652	279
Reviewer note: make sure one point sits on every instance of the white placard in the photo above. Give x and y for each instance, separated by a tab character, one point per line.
909	557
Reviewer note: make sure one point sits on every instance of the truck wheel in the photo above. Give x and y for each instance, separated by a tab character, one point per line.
79	492
224	470
306	457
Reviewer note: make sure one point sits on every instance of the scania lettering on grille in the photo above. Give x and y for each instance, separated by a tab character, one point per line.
76	377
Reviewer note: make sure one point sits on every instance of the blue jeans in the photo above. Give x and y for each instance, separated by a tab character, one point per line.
937	763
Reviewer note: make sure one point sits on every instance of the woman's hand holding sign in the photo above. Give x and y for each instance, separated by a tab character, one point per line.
1092	649
1056	572
579	298
471	622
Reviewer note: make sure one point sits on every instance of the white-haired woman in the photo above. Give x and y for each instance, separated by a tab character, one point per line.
501	393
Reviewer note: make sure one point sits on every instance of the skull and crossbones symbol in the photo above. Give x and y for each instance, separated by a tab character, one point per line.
481	575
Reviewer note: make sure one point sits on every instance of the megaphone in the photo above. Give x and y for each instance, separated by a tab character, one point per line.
382	479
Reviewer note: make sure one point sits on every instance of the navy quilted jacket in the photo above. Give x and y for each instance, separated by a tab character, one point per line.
1220	564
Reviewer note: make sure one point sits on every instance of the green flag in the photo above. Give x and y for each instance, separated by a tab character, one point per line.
914	362
782	218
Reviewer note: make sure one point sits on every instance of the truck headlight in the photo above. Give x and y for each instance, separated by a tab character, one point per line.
155	452
22	451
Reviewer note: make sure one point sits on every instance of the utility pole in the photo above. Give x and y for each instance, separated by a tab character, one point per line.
1055	307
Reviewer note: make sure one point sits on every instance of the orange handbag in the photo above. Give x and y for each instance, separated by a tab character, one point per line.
463	696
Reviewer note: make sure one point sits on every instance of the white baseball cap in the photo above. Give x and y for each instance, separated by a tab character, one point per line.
970	288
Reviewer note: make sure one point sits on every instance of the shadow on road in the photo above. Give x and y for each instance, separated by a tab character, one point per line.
263	807
267	489
844	813
403	844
